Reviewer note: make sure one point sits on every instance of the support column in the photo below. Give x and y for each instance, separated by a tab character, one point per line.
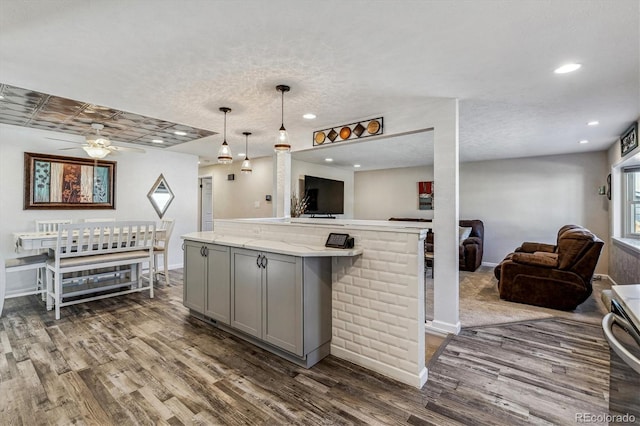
446	318
282	184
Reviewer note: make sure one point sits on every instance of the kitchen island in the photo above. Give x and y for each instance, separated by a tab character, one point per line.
272	282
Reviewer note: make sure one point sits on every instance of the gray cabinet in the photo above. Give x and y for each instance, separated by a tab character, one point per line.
282	288
194	276
283	300
279	302
218	283
246	292
207	287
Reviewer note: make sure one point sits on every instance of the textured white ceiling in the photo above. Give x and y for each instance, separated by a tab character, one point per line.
345	60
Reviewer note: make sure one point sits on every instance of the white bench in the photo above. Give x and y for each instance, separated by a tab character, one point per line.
88	247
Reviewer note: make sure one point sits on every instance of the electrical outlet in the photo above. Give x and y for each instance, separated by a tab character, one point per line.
256	204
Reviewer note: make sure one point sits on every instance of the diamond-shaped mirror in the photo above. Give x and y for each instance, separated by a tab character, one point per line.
160	196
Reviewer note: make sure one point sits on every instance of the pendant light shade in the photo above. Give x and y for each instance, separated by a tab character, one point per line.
246	164
282	140
224	153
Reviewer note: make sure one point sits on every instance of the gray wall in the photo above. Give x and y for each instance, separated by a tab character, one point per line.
525	199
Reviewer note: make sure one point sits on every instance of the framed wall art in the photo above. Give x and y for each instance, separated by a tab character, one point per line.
56	182
629	139
425	195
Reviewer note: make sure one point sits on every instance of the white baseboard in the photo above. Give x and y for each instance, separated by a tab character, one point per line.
605	277
442	327
490	264
432	331
395	373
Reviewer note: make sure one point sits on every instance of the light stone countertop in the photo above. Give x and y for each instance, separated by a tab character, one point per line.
629	297
369	225
271	246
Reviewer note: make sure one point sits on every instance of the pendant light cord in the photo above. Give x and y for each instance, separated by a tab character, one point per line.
246	146
225	127
282	108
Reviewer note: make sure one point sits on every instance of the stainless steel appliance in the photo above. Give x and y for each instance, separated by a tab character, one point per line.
622	330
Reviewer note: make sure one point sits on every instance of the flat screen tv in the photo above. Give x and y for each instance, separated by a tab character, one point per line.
325	196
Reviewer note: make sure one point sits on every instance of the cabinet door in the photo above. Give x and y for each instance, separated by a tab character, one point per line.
194	277
282	298
218	304
246	292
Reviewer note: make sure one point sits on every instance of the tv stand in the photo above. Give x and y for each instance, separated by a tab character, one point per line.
326	216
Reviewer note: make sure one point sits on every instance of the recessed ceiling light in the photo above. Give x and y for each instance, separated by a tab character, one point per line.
356	166
583	141
179	133
157	141
328	160
593	123
309	116
567	68
241	154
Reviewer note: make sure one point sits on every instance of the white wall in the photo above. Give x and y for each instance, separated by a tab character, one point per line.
135	175
525	199
301	168
238	198
373	188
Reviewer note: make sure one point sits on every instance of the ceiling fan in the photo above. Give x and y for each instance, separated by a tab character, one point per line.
98	146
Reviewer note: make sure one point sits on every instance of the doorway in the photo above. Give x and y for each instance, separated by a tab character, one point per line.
206	203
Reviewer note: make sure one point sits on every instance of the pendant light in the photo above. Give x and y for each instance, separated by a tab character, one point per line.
282	141
246	164
224	153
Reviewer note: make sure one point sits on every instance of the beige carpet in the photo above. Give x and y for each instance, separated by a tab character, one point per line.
480	302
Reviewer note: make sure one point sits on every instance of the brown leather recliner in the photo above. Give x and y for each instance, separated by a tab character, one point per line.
529	247
557	277
471	249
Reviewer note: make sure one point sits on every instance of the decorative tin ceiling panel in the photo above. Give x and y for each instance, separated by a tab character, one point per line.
27	108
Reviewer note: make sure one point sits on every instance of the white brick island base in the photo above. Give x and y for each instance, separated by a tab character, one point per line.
378	318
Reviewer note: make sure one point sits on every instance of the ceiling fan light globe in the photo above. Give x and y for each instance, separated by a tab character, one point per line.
96	151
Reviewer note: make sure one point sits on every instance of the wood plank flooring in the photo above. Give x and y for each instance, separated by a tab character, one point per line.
135	360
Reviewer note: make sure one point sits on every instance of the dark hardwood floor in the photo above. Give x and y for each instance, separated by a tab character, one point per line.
135	360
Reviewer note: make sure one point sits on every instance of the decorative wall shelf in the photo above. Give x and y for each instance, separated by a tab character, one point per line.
357	130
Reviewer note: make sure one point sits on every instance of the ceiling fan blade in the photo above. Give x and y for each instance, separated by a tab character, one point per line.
123	148
65	140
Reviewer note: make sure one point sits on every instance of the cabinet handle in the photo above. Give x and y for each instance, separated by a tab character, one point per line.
264	261
258	262
206	251
202	251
